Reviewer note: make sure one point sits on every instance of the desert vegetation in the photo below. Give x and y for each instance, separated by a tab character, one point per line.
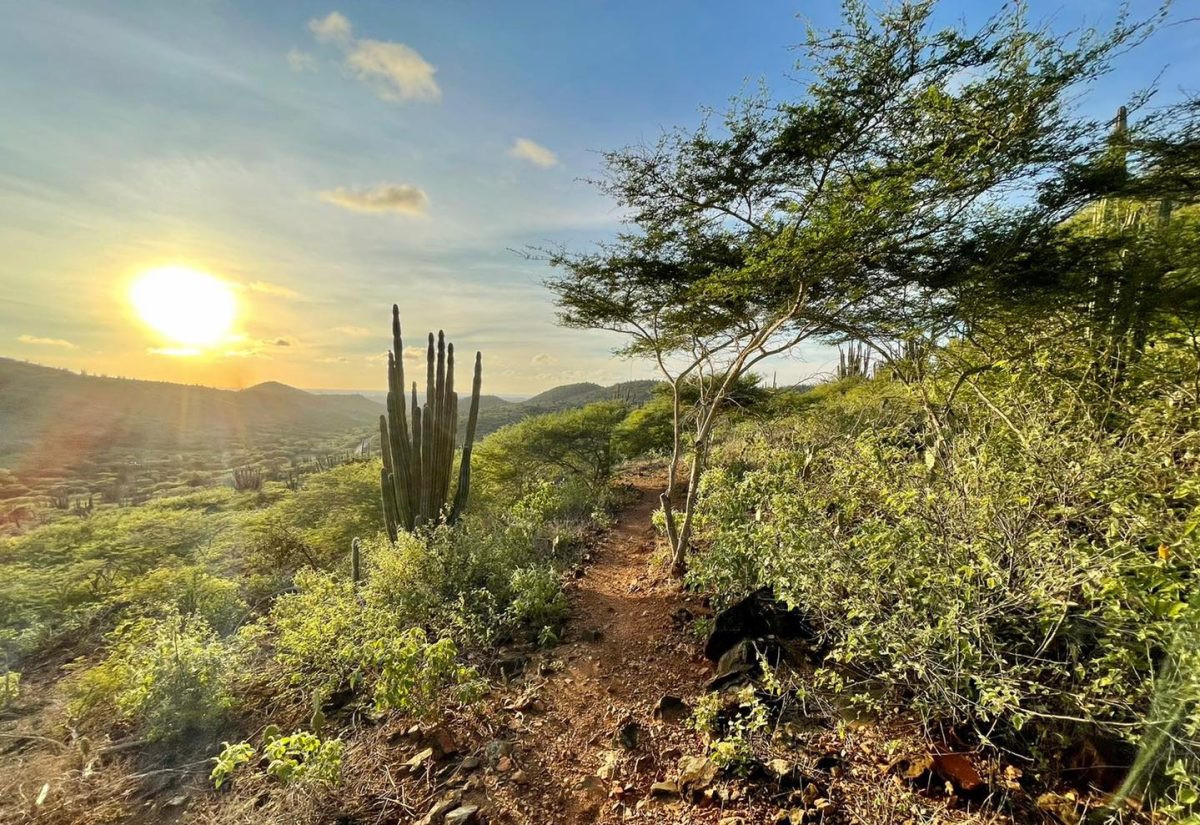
953	580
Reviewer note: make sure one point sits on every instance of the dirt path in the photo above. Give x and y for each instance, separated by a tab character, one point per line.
622	653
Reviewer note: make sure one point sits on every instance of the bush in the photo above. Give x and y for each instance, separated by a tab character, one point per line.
1032	570
168	678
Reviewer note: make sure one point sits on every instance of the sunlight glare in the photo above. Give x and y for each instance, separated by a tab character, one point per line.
186	305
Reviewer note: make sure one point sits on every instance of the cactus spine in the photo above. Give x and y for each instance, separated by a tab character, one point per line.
418	460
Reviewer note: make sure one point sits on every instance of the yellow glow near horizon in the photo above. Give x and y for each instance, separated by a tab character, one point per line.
186	305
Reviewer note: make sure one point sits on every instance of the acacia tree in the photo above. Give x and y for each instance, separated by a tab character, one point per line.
818	217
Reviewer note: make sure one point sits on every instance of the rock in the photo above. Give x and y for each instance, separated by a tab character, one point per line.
519	777
785	774
463	815
1061	806
593	787
696	773
504	764
176	801
443	806
512	665
958	770
469	764
731	820
828	763
671	709
664	790
759	615
494	750
628	735
610	763
441	740
592	635
418	761
912	768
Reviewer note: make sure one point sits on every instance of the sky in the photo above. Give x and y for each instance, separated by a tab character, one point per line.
328	160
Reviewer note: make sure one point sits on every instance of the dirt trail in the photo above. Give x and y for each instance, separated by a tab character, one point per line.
623	651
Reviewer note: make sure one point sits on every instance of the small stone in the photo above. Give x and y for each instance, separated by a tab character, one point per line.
419	760
696	772
463	815
628	735
519	777
504	764
664	790
609	765
732	820
671	709
443	806
592	635
593	787
176	801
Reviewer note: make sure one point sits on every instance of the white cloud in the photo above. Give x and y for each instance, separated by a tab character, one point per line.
535	153
388	197
396	71
543	359
46	342
301	61
333	359
333	28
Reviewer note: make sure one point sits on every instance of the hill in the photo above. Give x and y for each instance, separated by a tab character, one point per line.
51	416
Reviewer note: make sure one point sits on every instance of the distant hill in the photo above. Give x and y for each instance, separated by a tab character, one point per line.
52	416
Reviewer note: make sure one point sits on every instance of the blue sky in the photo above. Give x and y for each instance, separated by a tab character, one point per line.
329	159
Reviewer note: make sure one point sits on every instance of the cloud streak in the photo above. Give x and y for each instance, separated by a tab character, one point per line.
37	340
527	150
402	198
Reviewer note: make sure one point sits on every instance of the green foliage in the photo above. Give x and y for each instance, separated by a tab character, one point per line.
416	675
10	688
303	757
169	678
228	761
573	445
731	740
1028	574
647	430
539	601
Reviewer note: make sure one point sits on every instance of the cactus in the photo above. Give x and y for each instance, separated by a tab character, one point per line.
355	562
247	478
418	461
854	361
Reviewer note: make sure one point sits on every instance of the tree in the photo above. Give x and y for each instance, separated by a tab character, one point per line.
816	218
574	444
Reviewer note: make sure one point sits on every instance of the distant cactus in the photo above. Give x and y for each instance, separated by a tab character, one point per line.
418	461
854	361
247	478
355	562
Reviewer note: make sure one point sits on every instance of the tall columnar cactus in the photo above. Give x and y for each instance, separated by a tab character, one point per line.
418	459
854	362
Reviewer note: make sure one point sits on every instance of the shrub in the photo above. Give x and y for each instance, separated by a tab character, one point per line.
416	676
1034	572
227	762
10	688
167	677
538	599
303	758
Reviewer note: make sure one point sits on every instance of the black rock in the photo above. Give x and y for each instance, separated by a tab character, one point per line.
671	709
758	616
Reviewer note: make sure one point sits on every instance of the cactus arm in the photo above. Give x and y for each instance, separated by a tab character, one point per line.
464	468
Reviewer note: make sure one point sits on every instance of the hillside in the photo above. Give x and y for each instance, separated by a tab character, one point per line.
51	417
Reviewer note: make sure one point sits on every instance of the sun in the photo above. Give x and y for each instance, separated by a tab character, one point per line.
186	305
